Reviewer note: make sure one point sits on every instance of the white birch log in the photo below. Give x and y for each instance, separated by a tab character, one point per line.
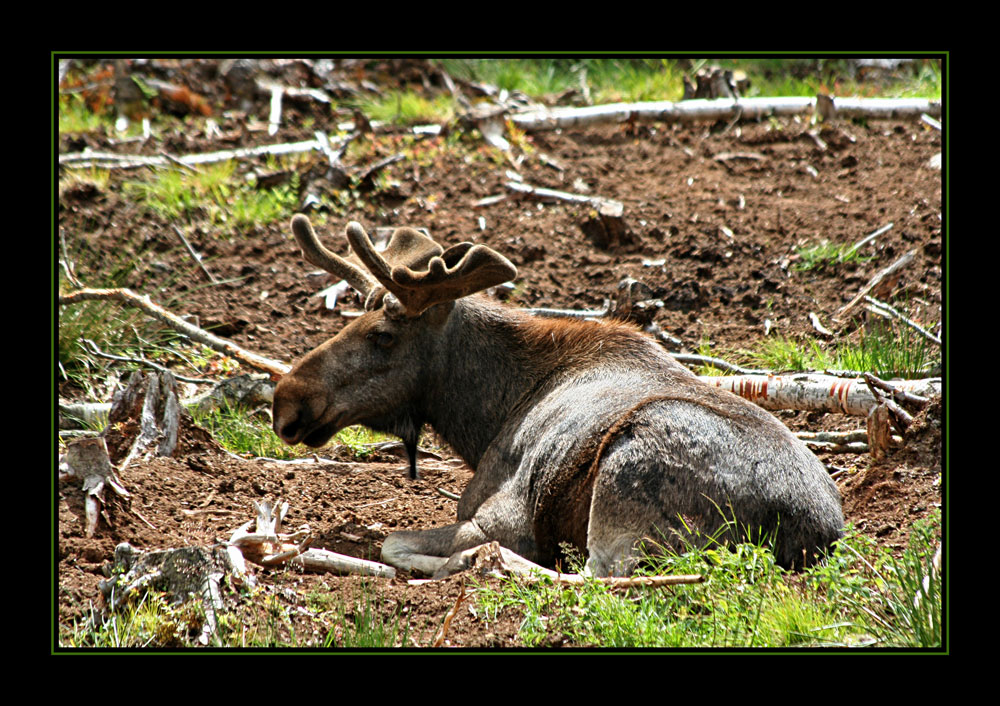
322	560
719	109
111	160
814	392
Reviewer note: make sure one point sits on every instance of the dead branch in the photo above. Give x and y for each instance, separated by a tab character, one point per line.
439	639
67	265
544	194
92	347
195	256
112	160
268	546
883	276
864	241
879	435
820	329
494	560
855	447
837	437
572	313
901	396
884	309
143	302
899	417
814	392
720	109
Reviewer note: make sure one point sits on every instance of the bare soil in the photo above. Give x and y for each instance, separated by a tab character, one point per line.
726	230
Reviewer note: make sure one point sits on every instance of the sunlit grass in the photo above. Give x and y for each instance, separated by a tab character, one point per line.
860	596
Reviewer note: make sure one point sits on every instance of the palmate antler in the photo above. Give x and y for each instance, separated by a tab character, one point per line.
417	271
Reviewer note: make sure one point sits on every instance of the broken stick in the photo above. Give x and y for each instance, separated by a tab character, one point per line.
130	298
878	279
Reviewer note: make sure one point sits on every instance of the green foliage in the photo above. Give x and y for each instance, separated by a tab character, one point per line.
883	599
76	117
826	254
409	108
888	349
859	596
612	79
361	623
214	193
358	439
609	80
245	433
781	353
149	621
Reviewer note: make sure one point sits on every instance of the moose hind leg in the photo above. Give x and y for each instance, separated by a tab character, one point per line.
427	551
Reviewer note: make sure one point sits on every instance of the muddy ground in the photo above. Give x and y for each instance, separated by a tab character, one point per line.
725	229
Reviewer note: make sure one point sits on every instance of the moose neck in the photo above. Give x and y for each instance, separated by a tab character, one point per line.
491	358
479	374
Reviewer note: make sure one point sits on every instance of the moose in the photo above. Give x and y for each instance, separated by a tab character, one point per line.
579	432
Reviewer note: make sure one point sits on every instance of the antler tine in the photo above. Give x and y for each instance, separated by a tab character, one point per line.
461	270
362	246
314	252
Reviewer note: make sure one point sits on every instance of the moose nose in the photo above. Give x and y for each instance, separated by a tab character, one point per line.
288	430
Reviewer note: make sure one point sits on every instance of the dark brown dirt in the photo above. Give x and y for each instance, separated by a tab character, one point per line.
681	205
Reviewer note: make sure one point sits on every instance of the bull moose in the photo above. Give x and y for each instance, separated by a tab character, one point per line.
578	432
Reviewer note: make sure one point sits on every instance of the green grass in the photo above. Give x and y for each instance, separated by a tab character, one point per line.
861	596
787	354
826	254
147	622
76	117
613	79
889	349
244	432
252	619
360	623
215	194
409	108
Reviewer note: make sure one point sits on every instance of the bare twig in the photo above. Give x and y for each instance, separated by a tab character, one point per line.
274	119
864	241
439	639
111	160
143	302
882	308
195	256
179	163
552	194
572	313
899	417
65	261
880	277
900	396
87	343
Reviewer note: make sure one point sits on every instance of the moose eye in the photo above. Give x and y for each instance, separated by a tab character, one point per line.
382	339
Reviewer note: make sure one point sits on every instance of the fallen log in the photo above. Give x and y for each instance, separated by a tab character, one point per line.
698	109
814	392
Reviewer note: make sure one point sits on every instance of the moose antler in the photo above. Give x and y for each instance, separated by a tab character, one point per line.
449	275
314	252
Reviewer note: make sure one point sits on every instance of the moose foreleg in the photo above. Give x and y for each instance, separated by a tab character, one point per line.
428	551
